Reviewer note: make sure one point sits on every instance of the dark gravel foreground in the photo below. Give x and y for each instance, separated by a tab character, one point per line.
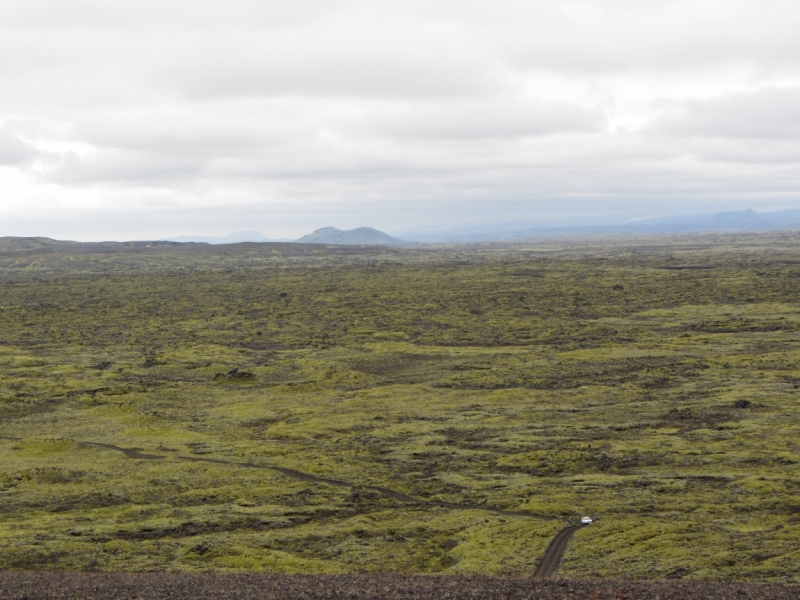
33	585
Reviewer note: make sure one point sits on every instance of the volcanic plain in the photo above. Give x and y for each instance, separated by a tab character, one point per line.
291	408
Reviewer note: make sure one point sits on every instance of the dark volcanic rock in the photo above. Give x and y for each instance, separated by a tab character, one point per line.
123	586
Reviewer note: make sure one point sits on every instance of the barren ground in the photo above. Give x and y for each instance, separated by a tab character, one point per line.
154	586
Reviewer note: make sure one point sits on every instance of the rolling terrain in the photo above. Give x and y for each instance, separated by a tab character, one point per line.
142	383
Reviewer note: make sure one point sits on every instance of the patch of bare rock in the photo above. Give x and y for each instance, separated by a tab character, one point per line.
21	585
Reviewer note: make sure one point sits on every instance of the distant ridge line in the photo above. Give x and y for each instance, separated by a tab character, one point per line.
682	268
353	237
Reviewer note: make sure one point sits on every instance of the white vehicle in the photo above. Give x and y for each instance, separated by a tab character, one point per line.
586	521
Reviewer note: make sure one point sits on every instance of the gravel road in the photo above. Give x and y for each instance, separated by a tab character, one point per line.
555	551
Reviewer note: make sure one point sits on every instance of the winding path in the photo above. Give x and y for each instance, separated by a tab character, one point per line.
547	565
555	551
385	492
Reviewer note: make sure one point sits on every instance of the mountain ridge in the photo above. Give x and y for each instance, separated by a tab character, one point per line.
727	221
356	237
236	237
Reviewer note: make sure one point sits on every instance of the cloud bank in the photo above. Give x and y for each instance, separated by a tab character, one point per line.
391	114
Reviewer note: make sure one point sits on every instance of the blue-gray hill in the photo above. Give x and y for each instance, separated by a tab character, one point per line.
354	237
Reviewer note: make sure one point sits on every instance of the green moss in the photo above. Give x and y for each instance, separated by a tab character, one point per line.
516	378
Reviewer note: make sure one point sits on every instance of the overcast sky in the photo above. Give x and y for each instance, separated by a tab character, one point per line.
122	120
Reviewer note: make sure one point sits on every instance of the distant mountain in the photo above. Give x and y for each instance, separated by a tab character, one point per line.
232	238
24	244
362	236
745	220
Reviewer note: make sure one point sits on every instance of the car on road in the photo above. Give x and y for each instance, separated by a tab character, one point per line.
586	521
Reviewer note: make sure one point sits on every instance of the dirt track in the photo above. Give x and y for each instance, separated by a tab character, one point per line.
127	452
555	551
547	566
178	586
335	482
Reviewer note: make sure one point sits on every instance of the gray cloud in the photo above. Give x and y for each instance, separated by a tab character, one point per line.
13	151
656	36
343	65
112	166
490	118
368	108
766	113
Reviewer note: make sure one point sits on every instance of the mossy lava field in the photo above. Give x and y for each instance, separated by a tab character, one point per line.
311	409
